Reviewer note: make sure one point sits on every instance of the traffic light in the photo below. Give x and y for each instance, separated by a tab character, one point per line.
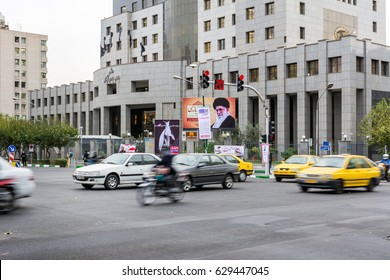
205	79
264	138
271	138
240	82
272	128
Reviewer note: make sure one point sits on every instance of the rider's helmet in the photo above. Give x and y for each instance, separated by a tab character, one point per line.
385	156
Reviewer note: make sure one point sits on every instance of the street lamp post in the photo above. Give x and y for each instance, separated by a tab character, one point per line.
81	142
329	86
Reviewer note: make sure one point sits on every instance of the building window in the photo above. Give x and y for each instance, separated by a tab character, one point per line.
312	68
24	40
17	39
144	58
207	25
221	22
123	9
335	64
302	32
155	19
17	74
74	98
43	43
118	45
134	60
233	19
155	56
269	33
272	72
143	4
374	5
207	47
135	43
233	41
118	27
218	76
67	100
374	26
233	77
250	37
134	25
17	51
119	61
301	8
43	75
254	75
108	63
207	4
292	70
250	13
221	44
375	67
144	22
133	6
221	3
24	62
17	61
108	30
189	83
359	64
155	38
144	40
269	8
385	68
58	100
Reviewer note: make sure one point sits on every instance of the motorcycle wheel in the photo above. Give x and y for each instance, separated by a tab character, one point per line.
176	194
145	196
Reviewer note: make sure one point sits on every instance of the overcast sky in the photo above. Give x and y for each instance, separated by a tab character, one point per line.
73	27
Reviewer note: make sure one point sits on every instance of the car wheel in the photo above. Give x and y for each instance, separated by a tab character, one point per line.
339	188
112	182
371	185
6	200
87	186
278	179
242	177
186	184
228	182
304	189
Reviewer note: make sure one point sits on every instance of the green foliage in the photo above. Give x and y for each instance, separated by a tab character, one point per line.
62	162
288	153
44	133
375	126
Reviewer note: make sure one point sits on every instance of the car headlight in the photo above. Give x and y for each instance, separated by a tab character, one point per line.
92	173
301	175
326	176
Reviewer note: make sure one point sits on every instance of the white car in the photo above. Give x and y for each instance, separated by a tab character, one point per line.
117	169
15	183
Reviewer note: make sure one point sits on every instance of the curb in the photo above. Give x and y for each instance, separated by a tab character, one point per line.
42	165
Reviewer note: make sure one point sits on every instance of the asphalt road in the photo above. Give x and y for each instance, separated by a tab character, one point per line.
258	219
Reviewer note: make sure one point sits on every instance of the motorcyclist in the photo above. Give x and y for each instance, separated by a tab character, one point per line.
165	171
386	161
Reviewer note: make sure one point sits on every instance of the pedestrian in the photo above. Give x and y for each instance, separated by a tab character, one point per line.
270	162
24	158
86	156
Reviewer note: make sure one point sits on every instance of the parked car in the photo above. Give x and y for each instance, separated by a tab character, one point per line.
117	169
245	168
205	169
15	183
288	169
338	172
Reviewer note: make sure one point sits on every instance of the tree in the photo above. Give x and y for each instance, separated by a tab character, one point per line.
375	126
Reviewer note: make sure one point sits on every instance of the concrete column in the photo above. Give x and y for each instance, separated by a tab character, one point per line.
348	113
303	117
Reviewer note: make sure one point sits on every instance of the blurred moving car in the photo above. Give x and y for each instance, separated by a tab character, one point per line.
338	172
205	169
15	183
288	169
117	169
245	168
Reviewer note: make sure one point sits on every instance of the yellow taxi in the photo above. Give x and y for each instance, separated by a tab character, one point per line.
288	169
338	172
245	168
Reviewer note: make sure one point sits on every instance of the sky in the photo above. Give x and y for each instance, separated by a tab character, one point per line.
73	27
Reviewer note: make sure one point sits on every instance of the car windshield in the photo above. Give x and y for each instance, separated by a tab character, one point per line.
336	162
296	160
184	159
116	159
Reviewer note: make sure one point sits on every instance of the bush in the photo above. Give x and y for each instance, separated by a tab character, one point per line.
62	162
288	153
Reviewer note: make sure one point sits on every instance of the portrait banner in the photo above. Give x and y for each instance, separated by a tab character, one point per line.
167	137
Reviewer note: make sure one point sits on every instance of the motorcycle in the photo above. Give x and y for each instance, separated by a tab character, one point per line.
152	188
384	170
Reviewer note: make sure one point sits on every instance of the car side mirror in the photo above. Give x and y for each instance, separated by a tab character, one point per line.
311	163
130	164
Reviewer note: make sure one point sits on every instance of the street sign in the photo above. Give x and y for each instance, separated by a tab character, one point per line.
325	148
219	84
191	135
17	164
325	143
31	148
11	149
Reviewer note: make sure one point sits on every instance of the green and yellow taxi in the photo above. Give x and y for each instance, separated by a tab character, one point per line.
288	169
338	172
245	168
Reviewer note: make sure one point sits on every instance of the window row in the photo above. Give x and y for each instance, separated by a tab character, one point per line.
134	59
377	67
353	2
144	22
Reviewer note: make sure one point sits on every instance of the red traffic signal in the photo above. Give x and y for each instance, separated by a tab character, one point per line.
240	82
205	79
